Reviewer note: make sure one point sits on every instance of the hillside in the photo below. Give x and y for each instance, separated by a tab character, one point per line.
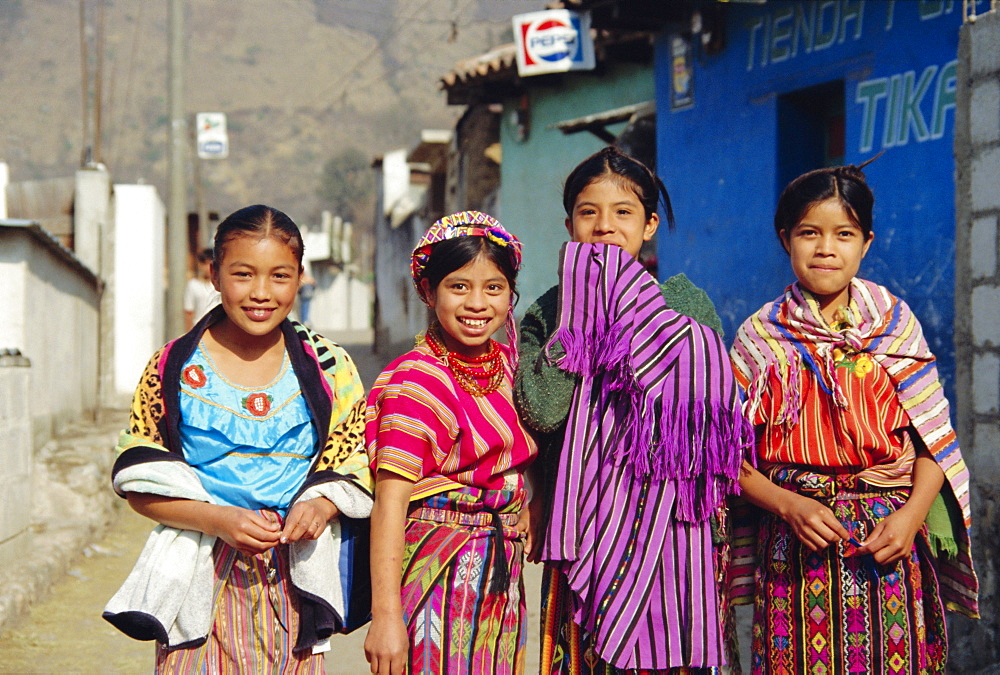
300	81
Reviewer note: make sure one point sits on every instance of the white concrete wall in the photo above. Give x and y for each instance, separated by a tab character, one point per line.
400	315
15	456
91	215
341	303
4	180
138	297
14	256
51	317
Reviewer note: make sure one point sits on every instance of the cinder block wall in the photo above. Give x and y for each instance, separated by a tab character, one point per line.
975	646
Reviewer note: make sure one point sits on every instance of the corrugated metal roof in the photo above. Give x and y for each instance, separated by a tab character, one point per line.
496	70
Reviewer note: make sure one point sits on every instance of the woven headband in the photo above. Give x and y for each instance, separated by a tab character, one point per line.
462	224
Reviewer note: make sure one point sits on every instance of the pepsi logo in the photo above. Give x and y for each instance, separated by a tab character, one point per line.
551	40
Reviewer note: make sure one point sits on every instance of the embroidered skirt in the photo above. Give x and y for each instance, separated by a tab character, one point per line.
255	621
831	612
462	590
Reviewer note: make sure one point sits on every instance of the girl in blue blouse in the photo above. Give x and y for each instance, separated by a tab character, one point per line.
245	445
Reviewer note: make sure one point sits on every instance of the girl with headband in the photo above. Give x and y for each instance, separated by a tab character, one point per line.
862	534
449	455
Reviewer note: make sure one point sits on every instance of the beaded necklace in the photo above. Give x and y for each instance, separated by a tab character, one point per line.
468	371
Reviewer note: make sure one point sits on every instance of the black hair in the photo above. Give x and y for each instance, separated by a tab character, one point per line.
610	163
846	184
453	254
205	255
261	221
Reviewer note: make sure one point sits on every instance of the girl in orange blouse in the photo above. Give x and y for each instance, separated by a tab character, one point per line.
854	445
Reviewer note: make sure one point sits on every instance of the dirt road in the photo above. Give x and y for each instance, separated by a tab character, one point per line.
65	633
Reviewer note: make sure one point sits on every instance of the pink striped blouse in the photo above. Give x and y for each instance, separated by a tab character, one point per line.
423	426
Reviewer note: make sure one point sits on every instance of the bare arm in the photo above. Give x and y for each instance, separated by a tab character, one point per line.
387	643
814	524
892	538
533	514
243	529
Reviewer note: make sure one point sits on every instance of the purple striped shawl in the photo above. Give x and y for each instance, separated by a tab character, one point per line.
654	442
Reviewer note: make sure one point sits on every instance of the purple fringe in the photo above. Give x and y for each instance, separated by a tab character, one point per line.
576	352
510	327
701	448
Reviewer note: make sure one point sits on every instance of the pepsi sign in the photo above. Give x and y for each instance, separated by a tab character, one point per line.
553	41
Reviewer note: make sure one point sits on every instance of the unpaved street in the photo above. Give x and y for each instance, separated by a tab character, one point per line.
66	634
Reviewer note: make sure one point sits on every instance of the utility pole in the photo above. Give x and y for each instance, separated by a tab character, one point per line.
99	86
85	81
177	209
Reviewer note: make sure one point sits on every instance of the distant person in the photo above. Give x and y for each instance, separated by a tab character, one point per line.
246	444
862	531
199	293
449	454
306	293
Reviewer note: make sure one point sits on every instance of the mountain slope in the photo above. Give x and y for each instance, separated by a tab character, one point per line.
299	80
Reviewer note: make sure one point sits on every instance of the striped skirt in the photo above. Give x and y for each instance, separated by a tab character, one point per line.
567	649
831	612
255	622
462	589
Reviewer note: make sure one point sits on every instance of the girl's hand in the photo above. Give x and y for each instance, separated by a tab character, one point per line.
308	519
387	645
523	526
530	522
892	538
245	530
814	524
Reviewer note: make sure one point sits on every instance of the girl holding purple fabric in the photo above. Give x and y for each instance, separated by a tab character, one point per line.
641	439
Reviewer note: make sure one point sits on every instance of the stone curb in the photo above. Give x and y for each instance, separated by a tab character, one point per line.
72	506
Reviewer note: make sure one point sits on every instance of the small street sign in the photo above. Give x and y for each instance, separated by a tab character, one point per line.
213	140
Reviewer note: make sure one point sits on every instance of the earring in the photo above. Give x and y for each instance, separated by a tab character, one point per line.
511	331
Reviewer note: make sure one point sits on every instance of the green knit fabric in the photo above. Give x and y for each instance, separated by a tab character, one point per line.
543	391
943	518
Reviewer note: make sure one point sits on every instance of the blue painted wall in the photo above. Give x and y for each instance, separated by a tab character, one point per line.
533	169
720	157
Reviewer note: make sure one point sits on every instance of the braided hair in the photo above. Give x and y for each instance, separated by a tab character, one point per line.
258	221
610	163
846	184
